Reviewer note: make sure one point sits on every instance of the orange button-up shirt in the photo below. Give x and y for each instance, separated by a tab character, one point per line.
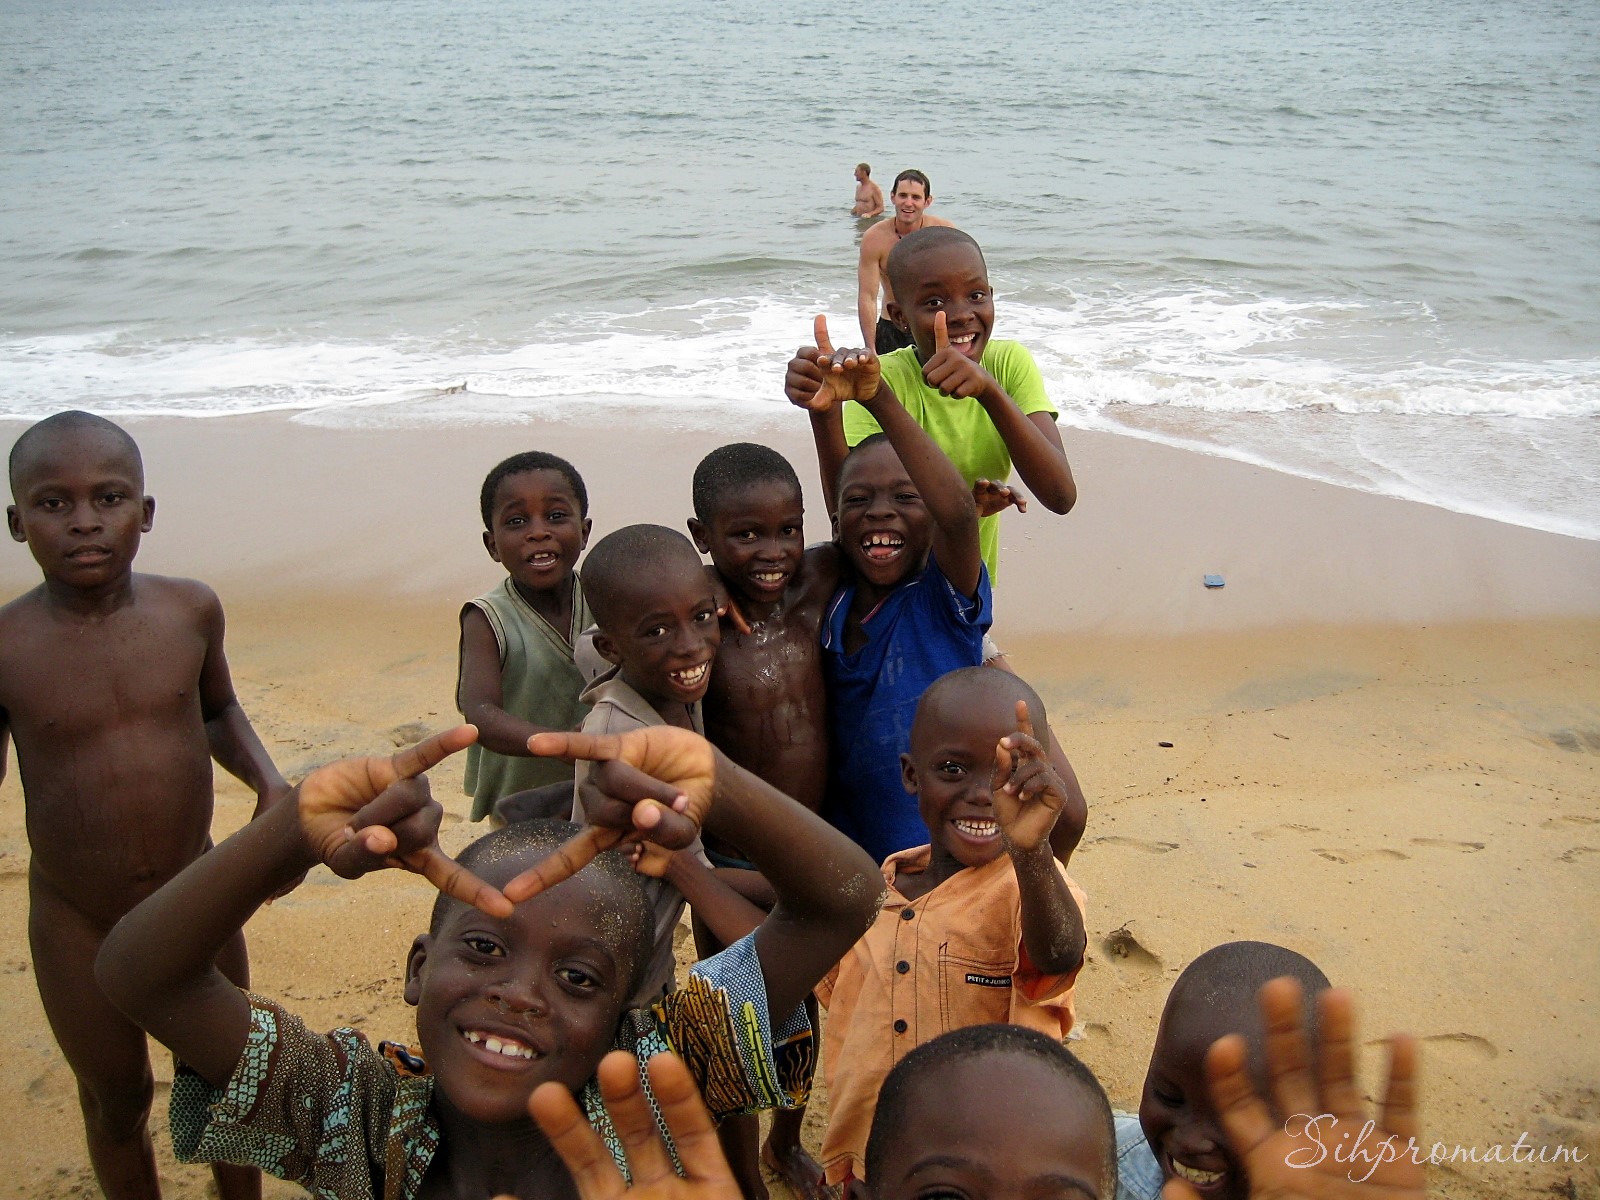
949	959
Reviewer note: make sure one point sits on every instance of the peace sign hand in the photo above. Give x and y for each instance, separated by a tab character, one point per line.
364	814
820	377
1025	790
951	372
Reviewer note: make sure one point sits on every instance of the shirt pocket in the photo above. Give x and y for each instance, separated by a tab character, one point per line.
974	988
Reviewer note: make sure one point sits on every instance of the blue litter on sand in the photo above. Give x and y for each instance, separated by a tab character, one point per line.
1214	581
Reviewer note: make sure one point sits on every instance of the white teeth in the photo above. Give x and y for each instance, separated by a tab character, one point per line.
978	828
691	676
882	539
495	1046
769	576
1195	1175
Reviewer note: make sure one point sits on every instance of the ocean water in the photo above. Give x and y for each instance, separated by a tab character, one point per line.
1357	242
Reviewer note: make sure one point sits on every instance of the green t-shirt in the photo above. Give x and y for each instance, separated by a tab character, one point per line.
962	428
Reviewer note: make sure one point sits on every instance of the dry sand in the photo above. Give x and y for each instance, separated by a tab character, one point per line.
1385	742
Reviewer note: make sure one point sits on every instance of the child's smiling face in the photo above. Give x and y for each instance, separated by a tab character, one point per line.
663	631
537	529
504	1005
1004	1127
950	278
950	769
882	525
1177	1115
756	538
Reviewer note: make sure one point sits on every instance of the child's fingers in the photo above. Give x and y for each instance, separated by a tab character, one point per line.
1024	721
1245	1115
819	329
593	1169
615	789
1288	1059
941	333
414	760
633	1121
1018	499
562	863
451	878
1399	1112
688	1122
1336	1068
595	747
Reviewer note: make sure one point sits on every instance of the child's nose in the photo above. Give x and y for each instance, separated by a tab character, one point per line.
516	992
85	518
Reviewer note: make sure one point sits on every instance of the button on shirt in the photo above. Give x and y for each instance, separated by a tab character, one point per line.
949	959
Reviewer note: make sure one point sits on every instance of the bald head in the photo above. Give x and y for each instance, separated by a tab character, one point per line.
68	433
982	694
906	258
1216	994
629	565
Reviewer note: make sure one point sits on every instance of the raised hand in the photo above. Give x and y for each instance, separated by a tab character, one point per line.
653	784
363	814
1287	1146
647	858
992	497
820	377
951	372
1026	791
705	1170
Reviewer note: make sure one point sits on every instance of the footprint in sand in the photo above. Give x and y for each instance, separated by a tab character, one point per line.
1578	853
1447	844
1576	741
1134	843
410	732
1120	946
1273	831
1470	1043
1361	856
1565	819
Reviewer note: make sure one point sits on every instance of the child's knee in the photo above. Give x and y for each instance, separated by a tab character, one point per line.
116	1109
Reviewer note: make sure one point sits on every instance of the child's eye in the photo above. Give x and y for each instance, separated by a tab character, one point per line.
488	947
111	498
577	977
907	497
513	522
557	516
790	531
655	631
979	297
708	614
955	770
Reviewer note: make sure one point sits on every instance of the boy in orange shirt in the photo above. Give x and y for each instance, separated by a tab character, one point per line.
983	925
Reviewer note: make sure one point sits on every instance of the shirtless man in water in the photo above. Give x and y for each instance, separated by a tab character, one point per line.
911	195
869	196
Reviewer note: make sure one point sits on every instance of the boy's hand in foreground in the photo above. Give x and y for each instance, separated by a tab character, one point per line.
1025	790
1288	1146
651	784
705	1170
951	372
363	814
992	497
820	378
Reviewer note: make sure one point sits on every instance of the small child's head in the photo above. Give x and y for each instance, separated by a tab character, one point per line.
535	519
78	485
991	1110
505	1004
656	612
882	526
749	515
941	270
1215	996
960	719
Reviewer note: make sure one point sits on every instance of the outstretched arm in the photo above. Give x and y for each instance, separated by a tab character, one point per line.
158	963
802	384
1028	797
232	739
479	692
663	783
1291	1143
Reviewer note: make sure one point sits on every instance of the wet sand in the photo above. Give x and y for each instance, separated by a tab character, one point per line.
1385	740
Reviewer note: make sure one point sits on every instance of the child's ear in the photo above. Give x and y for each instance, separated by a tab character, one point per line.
896	315
488	544
588	525
415	957
149	514
697	533
908	774
606	648
14	524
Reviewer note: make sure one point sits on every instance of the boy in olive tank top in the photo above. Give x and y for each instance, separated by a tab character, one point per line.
517	675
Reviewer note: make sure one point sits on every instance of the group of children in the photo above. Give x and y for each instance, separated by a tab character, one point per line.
819	751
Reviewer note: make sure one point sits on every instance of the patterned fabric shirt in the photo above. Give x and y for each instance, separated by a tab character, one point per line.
347	1122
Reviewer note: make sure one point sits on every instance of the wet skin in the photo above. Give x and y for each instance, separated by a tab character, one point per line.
996	1127
765	707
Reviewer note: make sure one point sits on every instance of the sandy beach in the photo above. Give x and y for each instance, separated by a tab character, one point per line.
1385	740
